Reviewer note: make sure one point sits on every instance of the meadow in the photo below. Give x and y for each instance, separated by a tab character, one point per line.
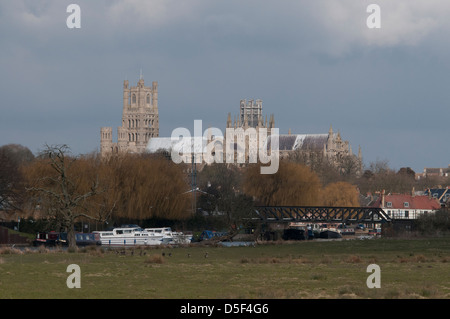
410	268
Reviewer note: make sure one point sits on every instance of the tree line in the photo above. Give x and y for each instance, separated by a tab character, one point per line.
66	188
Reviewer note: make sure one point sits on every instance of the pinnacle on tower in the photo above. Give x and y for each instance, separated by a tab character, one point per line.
229	120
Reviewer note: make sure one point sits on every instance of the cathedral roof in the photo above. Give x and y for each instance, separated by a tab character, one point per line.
183	144
294	142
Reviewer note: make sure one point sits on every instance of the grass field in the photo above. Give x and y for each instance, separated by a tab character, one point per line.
414	268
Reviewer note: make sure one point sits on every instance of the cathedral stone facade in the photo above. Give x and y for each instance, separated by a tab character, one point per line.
140	132
307	147
140	121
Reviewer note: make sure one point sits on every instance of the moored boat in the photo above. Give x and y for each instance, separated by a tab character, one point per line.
129	236
329	231
60	239
301	230
170	237
46	239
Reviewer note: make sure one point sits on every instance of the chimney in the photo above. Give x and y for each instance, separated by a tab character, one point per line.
382	199
413	192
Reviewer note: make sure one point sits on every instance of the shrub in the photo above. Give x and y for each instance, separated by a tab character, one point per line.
155	259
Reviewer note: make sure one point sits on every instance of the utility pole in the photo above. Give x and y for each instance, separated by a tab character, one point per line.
194	184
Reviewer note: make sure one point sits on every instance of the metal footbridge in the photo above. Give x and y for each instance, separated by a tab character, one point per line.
313	214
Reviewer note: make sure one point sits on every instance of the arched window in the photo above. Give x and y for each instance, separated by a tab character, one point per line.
148	98
134	99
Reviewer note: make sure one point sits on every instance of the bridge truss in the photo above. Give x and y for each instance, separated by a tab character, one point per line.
315	214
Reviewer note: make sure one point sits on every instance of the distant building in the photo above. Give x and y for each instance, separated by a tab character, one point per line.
405	206
140	121
330	145
434	172
327	145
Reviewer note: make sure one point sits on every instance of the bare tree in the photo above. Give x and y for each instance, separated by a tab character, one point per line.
222	187
60	182
12	156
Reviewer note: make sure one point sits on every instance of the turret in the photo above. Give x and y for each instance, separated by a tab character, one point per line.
229	120
126	94
155	94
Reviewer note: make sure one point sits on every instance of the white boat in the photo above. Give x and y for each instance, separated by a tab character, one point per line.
169	236
135	236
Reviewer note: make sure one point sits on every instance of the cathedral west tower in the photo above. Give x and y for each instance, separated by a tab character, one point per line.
140	120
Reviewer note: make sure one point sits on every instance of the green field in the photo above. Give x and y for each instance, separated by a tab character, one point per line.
413	268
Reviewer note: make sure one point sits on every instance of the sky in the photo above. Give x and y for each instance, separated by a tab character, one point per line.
313	63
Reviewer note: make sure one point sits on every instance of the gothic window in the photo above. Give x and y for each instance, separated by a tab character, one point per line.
148	98
134	99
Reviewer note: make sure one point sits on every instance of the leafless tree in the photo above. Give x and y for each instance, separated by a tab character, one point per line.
12	156
59	181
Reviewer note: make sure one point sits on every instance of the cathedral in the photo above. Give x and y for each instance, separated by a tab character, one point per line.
140	120
140	131
307	147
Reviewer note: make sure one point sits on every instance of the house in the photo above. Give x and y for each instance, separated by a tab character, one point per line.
406	206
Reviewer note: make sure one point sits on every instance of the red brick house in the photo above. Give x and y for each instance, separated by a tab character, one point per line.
404	206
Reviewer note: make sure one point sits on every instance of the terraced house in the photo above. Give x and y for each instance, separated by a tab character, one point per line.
405	206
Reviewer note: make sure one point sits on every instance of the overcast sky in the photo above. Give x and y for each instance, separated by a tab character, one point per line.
313	63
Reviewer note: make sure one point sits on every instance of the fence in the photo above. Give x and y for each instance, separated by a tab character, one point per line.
6	238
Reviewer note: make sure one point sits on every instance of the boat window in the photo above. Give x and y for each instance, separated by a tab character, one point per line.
119	231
